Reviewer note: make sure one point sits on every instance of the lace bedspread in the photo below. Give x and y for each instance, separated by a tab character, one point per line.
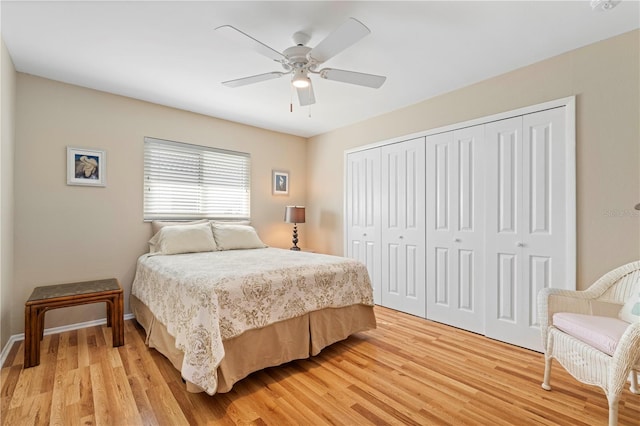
205	298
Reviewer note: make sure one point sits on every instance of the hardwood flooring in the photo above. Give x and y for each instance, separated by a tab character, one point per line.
407	371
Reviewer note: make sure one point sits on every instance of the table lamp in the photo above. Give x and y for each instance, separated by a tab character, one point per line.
295	215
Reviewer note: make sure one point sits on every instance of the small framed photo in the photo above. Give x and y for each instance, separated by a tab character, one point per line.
86	167
280	183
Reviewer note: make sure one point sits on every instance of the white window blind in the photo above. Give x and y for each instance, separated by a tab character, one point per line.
183	181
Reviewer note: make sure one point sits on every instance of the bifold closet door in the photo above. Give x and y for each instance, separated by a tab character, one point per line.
403	231
526	235
455	228
363	213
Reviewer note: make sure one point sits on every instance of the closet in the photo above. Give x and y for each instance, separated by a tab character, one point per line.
465	224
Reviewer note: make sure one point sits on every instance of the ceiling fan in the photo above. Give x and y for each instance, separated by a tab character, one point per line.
300	61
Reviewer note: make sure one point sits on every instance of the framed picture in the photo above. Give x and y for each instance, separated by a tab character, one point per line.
280	183
86	167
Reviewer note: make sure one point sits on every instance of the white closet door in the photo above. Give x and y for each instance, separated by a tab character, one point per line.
403	231
455	228
544	242
363	213
526	222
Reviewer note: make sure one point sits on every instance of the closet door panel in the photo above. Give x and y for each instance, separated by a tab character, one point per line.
455	241
440	155
545	181
505	317
403	236
363	213
466	184
507	158
440	270
467	299
539	269
468	220
526	230
507	287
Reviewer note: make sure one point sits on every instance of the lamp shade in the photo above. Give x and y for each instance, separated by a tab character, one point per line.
294	214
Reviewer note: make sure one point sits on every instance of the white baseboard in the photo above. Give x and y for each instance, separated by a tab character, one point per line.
17	337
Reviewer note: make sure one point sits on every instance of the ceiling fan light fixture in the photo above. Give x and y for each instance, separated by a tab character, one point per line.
300	79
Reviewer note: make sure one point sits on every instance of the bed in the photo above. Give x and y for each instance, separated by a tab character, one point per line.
219	315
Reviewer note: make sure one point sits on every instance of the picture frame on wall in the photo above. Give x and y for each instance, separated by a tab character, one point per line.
86	166
280	183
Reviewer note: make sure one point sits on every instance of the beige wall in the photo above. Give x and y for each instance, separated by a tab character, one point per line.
7	143
72	233
604	77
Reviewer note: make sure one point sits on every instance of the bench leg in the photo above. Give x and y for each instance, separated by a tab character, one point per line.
40	315
109	314
117	320
31	337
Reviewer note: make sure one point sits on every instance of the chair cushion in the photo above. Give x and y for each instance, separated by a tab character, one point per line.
602	333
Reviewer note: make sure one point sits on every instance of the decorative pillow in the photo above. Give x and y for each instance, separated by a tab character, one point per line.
630	312
231	237
178	239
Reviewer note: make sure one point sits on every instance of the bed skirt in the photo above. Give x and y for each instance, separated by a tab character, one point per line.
275	344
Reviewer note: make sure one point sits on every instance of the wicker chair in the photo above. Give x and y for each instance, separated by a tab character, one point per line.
585	363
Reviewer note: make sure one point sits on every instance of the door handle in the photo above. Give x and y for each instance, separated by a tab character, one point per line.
457	240
521	244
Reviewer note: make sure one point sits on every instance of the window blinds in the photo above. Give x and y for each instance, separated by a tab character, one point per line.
183	181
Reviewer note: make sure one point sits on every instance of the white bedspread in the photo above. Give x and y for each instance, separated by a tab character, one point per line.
204	298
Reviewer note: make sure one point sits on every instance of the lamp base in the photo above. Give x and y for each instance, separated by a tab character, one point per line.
295	238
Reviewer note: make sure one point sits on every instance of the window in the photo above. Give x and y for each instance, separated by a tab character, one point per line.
183	181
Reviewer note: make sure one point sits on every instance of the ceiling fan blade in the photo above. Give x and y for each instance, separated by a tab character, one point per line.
243	39
352	77
305	95
341	38
253	79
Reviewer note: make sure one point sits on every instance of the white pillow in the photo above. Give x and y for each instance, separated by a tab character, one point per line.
183	239
231	222
231	237
157	225
630	312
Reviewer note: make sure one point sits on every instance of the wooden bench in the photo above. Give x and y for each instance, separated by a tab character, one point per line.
63	295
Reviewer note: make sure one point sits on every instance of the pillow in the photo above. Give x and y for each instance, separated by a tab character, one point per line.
157	225
178	239
232	237
630	312
231	222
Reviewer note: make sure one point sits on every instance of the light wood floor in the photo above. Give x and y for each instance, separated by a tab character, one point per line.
407	371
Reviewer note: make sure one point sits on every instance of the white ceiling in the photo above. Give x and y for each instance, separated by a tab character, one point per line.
168	52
